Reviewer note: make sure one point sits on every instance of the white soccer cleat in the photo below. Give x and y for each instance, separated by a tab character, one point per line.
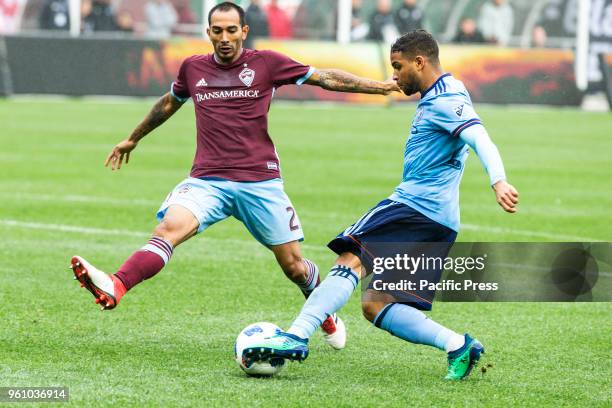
334	332
102	286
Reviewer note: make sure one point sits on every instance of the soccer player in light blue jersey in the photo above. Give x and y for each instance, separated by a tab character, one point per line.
423	208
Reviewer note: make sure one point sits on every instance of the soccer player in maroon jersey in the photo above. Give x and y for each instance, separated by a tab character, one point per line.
236	171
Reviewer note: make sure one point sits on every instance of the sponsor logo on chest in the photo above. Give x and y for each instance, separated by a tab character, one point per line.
246	76
229	94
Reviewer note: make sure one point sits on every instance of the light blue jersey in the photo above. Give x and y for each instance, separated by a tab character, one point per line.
435	155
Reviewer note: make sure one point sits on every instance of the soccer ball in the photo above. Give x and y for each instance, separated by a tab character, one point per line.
250	335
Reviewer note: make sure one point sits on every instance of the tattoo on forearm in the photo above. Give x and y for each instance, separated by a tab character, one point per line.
336	80
160	112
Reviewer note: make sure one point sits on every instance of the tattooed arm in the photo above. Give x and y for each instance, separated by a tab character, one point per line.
341	81
165	107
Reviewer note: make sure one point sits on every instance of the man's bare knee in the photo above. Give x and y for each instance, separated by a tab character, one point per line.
294	269
164	230
177	226
370	310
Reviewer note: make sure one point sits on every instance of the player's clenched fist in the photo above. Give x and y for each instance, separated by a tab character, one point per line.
120	152
507	196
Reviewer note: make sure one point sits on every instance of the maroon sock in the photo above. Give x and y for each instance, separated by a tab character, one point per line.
312	279
138	267
307	294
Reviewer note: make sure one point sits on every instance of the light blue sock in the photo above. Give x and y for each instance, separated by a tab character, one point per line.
412	325
325	300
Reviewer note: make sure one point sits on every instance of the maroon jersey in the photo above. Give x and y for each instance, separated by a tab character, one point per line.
231	106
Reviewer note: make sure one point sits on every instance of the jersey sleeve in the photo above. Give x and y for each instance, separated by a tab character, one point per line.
478	139
284	70
179	88
454	114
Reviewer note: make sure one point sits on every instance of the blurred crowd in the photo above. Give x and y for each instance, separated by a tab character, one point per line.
491	22
153	18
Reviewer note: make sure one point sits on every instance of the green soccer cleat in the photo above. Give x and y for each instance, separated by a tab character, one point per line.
462	361
283	345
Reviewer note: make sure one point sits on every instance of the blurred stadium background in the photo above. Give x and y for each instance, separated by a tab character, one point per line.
520	51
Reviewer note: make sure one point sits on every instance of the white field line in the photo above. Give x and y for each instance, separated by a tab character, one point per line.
71	228
327	215
529	233
105	231
71	198
121	232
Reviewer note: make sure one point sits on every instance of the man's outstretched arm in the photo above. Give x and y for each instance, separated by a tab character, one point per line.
165	107
478	139
341	81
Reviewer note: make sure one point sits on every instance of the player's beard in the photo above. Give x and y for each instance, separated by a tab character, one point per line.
411	86
410	89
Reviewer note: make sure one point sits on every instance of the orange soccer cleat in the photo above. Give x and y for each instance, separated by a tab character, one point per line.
106	289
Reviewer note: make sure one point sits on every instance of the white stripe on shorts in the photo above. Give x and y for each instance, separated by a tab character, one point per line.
360	222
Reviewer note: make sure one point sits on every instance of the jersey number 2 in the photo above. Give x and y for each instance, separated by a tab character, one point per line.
292	225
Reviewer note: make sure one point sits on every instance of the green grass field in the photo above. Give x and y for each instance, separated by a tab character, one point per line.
170	342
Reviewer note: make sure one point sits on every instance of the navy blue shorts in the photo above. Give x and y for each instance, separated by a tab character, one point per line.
391	228
390	221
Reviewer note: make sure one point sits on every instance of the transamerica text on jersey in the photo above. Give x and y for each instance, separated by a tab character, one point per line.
251	93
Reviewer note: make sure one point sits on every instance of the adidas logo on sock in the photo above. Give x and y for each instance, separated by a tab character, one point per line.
201	83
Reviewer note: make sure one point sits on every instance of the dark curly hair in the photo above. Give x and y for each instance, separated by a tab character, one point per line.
418	42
